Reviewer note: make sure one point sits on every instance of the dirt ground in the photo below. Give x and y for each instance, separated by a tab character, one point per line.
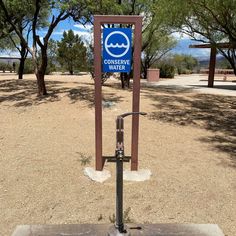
188	141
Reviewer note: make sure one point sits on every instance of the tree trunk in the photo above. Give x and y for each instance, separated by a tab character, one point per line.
233	65
122	78
21	68
146	66
127	76
71	72
145	72
23	55
230	56
41	84
40	73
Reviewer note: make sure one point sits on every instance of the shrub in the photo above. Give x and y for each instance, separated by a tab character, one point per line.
29	66
185	64
3	67
50	67
167	70
184	71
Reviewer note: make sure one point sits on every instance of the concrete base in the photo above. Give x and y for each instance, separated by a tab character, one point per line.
97	176
140	175
132	229
113	231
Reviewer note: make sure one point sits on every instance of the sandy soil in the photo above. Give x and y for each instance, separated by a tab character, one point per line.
187	141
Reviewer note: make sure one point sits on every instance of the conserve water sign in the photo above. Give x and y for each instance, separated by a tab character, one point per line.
117	44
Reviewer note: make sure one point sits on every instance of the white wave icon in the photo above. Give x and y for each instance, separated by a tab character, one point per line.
111	45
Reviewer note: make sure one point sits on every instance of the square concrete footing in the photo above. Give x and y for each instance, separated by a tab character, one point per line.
132	229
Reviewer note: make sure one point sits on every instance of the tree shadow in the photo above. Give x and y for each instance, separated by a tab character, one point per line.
212	112
219	86
23	93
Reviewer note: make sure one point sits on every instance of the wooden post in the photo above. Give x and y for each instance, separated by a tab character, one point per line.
136	93
98	94
212	65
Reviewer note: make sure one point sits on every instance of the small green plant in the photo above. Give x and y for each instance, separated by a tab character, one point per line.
112	218
126	217
84	160
100	217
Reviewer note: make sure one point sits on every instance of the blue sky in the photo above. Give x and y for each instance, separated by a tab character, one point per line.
86	34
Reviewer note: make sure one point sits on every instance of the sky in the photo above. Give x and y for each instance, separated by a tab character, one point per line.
85	32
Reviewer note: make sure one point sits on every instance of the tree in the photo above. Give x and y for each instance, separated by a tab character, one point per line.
184	63
138	7
52	52
207	21
40	10
20	47
158	45
71	52
9	39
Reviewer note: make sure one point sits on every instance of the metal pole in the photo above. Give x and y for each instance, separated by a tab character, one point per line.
119	196
119	173
119	159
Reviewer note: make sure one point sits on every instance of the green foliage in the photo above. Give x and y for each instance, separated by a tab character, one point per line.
84	160
126	217
184	63
223	64
6	67
112	218
100	217
38	15
156	45
167	69
52	57
72	52
29	66
208	21
3	67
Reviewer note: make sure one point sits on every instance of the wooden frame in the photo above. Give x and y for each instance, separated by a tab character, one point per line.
137	22
212	63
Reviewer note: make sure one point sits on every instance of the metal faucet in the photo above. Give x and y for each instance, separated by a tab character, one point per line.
119	159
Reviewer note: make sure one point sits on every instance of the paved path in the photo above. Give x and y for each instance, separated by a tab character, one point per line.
199	83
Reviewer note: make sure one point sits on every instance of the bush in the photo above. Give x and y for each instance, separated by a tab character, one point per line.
167	70
29	66
181	70
50	68
3	67
184	64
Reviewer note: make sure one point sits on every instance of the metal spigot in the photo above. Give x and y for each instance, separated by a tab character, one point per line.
120	158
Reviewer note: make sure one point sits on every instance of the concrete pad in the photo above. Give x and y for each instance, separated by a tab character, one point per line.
97	176
197	83
140	175
132	229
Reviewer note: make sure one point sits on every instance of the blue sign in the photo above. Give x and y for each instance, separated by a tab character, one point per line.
117	45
